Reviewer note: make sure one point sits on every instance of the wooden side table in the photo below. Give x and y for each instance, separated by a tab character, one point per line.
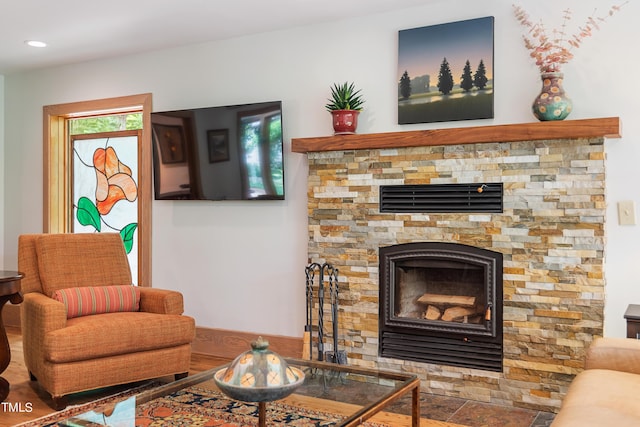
9	291
633	321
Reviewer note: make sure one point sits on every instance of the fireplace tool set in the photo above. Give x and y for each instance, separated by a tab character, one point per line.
323	277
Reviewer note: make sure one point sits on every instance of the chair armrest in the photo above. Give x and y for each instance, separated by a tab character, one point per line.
161	301
39	316
616	354
42	314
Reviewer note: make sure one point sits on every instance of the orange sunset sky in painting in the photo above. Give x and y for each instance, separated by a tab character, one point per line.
422	50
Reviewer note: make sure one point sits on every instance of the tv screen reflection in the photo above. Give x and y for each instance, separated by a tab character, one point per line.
219	153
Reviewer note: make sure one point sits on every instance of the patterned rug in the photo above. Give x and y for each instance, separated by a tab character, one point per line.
196	406
193	406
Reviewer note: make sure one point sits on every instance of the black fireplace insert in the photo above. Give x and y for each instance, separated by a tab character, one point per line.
441	303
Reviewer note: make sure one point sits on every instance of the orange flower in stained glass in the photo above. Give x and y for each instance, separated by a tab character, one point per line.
114	180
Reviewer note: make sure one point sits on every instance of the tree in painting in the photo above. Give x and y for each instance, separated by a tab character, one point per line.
445	78
405	86
466	80
480	79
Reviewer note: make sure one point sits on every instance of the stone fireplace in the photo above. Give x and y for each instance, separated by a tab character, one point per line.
550	235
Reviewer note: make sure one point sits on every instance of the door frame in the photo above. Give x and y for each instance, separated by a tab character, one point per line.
57	163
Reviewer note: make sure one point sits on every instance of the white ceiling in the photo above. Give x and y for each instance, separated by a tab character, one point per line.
82	30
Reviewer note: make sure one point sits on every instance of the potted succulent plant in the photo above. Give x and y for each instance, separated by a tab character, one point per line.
345	105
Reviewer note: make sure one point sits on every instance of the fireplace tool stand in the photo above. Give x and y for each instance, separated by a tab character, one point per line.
327	282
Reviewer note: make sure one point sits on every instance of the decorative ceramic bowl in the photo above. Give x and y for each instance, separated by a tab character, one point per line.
258	375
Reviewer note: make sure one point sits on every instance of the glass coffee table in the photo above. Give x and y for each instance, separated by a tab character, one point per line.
352	393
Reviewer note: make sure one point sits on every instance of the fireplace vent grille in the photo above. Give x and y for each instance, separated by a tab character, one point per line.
442	198
448	351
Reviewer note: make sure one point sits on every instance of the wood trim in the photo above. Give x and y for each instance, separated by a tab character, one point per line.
145	193
55	162
229	344
608	127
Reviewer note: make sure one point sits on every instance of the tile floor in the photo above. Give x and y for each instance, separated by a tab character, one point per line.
473	414
440	408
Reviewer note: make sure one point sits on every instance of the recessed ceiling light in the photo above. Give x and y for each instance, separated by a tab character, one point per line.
35	43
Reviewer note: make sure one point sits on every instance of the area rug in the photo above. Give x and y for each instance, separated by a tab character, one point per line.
193	406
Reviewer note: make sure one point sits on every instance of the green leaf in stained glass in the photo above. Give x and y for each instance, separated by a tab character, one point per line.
87	213
127	235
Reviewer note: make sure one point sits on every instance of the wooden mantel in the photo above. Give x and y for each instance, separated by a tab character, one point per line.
608	127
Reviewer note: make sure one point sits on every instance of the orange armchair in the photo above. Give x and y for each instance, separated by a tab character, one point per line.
120	344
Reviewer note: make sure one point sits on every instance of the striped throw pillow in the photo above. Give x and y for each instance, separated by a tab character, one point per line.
86	300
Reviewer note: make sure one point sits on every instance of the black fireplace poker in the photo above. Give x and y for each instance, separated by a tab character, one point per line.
329	272
308	327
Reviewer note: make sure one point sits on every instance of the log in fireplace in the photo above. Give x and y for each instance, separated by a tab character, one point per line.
441	303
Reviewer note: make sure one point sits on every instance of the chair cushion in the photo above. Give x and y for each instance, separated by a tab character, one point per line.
84	259
87	300
112	334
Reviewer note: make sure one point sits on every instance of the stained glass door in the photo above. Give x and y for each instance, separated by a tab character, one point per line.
104	187
87	143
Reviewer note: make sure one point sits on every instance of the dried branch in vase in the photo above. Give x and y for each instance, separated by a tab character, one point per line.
550	52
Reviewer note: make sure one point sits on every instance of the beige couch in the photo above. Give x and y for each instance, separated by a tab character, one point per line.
607	392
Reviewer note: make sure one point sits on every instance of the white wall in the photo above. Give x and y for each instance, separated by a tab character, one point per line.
240	265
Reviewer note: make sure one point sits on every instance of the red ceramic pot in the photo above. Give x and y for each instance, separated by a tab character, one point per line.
345	121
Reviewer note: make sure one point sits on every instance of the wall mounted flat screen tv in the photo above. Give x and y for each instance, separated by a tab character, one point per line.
219	153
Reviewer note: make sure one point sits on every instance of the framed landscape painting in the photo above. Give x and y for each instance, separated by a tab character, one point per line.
445	72
218	141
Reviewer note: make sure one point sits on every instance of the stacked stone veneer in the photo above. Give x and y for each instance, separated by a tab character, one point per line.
551	234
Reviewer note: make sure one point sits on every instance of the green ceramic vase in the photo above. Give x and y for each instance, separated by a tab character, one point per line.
552	103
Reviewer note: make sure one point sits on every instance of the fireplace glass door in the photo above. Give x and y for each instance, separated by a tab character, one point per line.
442	290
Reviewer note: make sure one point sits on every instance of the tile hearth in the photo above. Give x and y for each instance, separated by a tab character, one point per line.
472	413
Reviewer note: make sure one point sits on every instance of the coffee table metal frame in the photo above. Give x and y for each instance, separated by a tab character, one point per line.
404	383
